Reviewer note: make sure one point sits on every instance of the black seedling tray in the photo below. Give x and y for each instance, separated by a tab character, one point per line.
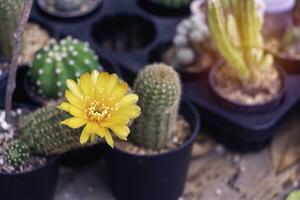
123	32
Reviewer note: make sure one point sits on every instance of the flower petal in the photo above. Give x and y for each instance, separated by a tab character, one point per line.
86	84
74	122
121	131
128	100
73	99
72	85
131	112
109	140
115	121
119	92
101	84
85	135
71	109
94	76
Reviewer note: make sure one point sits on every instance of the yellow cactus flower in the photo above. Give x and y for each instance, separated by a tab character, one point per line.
100	102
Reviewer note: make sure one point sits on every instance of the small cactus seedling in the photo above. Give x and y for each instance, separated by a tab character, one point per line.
9	16
68	5
238	37
54	64
159	89
42	133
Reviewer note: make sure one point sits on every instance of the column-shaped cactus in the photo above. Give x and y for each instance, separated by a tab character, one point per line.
159	89
59	61
10	15
42	133
238	37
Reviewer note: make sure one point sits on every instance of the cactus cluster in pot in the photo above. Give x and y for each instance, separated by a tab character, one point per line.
247	66
159	89
59	61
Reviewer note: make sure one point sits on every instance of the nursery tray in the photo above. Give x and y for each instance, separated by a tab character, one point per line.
124	33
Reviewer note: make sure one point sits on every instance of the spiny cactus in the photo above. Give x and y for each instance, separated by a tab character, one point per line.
10	15
54	64
190	33
17	153
238	37
174	3
68	5
159	90
42	133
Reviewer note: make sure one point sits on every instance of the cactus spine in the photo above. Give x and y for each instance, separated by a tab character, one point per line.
9	16
41	133
54	64
159	89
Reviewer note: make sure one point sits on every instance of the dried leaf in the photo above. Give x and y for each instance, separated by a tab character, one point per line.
285	147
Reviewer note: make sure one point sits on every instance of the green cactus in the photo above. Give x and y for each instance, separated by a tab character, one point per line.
10	15
41	133
17	153
238	37
54	64
159	89
174	3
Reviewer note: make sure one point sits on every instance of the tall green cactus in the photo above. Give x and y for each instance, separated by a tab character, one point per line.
54	64
159	89
10	15
238	37
41	133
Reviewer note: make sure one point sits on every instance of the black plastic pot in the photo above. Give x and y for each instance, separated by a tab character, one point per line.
153	177
156	55
84	156
157	8
239	107
38	184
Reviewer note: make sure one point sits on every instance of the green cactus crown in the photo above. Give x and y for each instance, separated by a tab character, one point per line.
59	61
238	37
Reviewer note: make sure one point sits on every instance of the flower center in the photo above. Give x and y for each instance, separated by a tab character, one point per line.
97	112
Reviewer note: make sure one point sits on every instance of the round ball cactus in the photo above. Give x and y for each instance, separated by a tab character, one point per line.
59	61
159	89
68	5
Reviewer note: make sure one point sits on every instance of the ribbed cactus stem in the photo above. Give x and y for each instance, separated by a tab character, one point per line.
54	64
42	133
159	90
217	24
10	15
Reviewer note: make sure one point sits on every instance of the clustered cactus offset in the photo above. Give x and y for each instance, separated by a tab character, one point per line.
9	17
42	133
159	89
190	33
59	61
238	37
